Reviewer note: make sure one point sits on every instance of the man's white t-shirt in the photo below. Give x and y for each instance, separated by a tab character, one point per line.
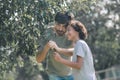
86	72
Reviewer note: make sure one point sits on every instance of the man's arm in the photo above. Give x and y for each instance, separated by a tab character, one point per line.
42	54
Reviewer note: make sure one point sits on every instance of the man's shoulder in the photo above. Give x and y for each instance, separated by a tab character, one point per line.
48	30
49	33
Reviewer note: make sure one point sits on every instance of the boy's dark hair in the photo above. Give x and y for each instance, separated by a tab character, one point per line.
79	27
63	18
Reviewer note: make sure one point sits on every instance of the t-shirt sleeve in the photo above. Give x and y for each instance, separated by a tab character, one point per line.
43	40
42	43
80	50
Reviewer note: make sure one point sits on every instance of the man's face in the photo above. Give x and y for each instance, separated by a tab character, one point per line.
60	29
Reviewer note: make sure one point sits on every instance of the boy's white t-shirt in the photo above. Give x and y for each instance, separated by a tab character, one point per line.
86	72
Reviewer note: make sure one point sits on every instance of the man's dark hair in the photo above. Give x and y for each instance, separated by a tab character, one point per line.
63	18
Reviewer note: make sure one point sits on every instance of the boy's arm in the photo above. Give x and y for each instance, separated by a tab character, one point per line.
68	52
65	51
76	65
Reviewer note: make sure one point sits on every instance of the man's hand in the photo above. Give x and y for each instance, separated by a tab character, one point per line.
53	45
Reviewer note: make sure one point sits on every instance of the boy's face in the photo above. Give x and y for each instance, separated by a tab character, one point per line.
71	33
60	29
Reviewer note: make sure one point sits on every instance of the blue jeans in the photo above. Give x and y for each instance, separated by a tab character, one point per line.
55	77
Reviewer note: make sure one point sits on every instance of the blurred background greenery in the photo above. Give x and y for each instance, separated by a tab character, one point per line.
23	21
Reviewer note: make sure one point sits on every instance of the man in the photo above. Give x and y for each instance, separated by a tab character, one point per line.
56	37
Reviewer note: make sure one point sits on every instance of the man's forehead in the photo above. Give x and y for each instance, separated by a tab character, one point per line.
62	25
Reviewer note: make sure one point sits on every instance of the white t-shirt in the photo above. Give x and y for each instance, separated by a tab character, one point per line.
87	71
